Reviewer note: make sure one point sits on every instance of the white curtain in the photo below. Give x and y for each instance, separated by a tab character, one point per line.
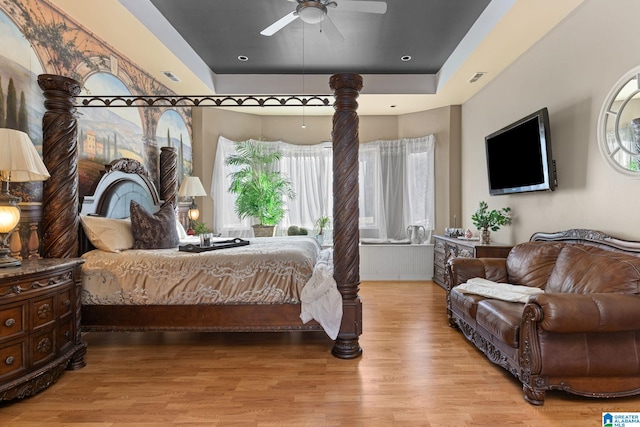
225	220
400	187
396	187
310	168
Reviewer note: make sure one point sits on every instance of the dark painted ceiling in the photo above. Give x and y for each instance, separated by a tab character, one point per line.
221	30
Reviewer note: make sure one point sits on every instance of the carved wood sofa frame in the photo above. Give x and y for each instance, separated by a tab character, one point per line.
526	363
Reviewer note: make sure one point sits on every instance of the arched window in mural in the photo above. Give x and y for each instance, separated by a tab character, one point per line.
21	100
106	134
172	132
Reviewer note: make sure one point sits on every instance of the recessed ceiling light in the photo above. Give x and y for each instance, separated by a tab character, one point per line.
406	58
243	58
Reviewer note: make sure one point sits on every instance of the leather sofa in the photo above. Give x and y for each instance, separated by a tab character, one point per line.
581	335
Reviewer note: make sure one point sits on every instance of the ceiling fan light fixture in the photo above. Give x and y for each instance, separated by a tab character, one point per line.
311	12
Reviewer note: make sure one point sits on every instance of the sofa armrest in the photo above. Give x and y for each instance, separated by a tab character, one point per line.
580	313
462	269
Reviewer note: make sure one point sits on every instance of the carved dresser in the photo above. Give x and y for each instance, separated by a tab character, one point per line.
39	325
446	248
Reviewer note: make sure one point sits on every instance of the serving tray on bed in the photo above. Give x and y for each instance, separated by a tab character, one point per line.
223	244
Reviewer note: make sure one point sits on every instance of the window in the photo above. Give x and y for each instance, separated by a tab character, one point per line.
396	187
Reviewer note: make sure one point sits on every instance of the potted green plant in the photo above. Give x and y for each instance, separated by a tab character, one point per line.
486	220
261	189
200	228
321	223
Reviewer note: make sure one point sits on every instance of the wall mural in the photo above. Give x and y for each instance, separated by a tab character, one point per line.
36	38
21	100
172	132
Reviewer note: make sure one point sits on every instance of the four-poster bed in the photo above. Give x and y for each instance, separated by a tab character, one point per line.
61	226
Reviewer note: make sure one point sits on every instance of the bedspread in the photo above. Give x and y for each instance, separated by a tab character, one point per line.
267	271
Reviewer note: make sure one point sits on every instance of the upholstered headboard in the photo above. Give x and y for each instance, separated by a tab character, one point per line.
122	181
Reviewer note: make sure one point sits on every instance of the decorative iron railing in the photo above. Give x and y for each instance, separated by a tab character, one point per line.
205	101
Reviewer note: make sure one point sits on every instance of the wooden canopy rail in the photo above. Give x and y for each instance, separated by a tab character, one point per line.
61	198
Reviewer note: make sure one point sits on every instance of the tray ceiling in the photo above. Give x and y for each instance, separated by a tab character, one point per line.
199	42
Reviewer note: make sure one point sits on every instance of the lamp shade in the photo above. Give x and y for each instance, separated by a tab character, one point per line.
191	187
20	161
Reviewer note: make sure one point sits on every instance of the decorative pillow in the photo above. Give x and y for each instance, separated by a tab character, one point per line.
182	234
108	234
153	231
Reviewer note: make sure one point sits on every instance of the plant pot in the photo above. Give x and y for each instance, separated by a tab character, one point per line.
320	239
263	230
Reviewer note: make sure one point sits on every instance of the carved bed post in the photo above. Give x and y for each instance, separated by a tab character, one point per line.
60	155
346	88
169	176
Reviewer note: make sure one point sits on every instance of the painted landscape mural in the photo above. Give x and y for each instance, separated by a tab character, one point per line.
38	38
21	100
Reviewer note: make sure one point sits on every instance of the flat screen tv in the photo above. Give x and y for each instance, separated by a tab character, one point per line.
519	156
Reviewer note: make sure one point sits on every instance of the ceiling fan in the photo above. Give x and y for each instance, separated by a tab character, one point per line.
315	11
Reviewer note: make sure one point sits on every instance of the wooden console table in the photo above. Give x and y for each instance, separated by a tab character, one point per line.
39	325
450	247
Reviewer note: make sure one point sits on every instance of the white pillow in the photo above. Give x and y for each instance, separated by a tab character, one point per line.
181	233
108	234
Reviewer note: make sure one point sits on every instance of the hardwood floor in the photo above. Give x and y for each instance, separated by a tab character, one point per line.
415	370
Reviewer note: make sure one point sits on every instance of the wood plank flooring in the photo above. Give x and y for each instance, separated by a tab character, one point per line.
415	371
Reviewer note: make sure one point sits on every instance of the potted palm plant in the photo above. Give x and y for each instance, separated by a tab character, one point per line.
261	189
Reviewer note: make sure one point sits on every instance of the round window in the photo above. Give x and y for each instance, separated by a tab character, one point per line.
619	125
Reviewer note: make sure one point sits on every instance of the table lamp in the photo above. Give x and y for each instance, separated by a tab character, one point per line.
192	187
19	162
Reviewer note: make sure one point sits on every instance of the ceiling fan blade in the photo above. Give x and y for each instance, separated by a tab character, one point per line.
363	6
331	31
279	24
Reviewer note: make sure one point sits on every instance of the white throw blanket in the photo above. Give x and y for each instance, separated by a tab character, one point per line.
501	291
320	298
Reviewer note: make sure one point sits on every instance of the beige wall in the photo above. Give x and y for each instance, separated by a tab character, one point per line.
444	123
318	128
570	71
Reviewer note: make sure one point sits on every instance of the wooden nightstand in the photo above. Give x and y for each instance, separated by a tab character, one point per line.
39	325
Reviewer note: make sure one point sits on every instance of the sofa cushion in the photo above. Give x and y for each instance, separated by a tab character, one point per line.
501	319
587	269
465	305
531	263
